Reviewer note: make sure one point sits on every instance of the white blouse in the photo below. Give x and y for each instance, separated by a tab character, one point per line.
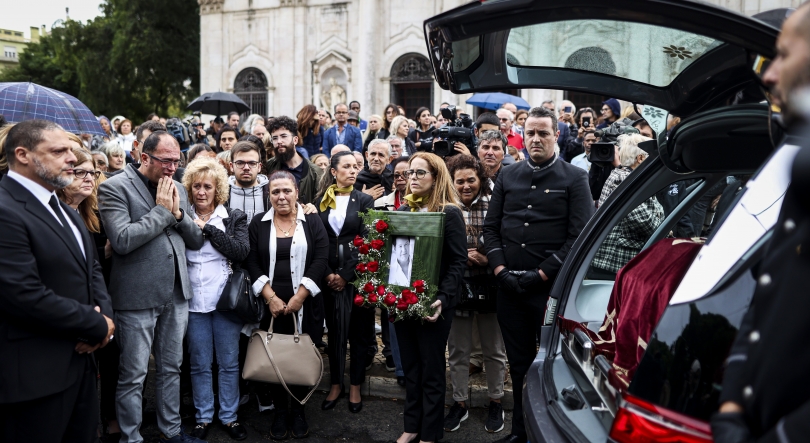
337	216
207	269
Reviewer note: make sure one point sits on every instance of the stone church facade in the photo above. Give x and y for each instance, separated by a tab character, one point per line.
279	55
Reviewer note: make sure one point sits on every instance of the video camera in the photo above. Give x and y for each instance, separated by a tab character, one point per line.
456	130
604	151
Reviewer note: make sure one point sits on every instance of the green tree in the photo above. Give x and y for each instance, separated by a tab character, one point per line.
139	56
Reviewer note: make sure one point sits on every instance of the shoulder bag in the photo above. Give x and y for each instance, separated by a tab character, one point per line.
237	298
285	359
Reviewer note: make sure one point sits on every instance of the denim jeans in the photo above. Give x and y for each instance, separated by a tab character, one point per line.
395	349
136	333
208	332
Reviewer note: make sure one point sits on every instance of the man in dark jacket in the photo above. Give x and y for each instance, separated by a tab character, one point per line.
283	131
376	180
765	394
537	210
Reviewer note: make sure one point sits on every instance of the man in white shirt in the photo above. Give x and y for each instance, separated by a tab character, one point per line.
581	160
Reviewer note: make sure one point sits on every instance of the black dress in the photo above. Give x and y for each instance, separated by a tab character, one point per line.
282	286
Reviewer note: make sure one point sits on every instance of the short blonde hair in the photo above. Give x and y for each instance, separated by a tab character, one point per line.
396	122
629	150
208	168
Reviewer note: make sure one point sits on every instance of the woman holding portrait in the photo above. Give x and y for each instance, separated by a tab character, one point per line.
210	331
287	259
422	344
339	209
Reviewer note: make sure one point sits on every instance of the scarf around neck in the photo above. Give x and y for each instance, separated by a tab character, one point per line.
328	200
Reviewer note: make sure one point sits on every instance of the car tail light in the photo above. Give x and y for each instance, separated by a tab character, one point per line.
638	421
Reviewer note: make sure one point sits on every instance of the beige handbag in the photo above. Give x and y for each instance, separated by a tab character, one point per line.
285	359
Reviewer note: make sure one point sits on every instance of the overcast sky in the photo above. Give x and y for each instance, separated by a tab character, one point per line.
20	15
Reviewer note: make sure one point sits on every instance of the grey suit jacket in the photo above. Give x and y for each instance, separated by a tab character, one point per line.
146	240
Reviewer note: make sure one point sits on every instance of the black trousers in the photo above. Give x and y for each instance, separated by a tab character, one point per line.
421	349
358	331
108	358
521	318
68	416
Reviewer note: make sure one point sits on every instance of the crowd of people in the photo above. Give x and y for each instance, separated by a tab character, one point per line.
169	211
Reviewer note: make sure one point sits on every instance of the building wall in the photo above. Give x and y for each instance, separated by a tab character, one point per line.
302	46
13	43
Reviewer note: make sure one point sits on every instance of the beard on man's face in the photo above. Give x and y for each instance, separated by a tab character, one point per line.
288	154
57	180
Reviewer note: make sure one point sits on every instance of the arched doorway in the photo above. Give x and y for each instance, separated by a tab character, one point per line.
251	86
412	83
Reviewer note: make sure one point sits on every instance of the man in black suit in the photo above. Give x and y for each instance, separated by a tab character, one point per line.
54	306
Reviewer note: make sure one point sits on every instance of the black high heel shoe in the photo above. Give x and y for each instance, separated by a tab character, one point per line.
330	404
355	407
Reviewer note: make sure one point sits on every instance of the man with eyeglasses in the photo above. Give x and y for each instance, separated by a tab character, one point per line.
250	191
143	212
283	132
354	105
342	133
505	117
611	110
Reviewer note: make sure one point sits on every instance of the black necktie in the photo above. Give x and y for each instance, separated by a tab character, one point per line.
68	231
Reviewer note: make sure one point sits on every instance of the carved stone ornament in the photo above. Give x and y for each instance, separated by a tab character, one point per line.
210	6
411	68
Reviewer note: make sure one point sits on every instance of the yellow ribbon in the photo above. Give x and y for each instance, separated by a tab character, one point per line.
328	200
415	202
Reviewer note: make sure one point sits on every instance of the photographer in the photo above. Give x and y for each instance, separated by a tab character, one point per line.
456	136
601	163
573	146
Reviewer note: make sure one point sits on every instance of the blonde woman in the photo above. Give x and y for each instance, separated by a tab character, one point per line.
422	344
401	128
226	245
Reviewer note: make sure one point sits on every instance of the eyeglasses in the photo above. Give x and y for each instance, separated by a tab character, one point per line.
165	163
80	174
420	173
398	176
605	109
241	164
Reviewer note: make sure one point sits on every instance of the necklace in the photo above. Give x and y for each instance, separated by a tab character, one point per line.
285	231
203	217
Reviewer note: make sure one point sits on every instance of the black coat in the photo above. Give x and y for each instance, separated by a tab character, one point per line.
47	298
454	257
767	365
344	265
234	242
535	214
257	262
365	177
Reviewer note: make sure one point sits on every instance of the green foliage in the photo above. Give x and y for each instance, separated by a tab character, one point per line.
138	57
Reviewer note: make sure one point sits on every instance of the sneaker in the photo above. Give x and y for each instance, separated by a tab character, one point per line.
265	402
454	418
300	429
280	429
200	431
377	329
495	417
389	364
180	438
236	431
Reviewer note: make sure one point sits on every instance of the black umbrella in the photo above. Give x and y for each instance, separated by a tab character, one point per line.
218	103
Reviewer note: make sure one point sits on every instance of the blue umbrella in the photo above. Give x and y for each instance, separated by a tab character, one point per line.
29	101
494	100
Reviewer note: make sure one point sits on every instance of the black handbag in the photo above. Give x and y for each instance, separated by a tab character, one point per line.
237	298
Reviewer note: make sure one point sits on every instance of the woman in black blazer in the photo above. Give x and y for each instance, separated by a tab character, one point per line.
289	278
339	209
422	343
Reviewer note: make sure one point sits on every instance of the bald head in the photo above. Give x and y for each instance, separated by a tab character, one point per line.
339	148
790	70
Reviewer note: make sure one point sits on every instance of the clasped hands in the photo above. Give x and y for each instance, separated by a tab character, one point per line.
168	197
518	281
335	282
277	305
86	348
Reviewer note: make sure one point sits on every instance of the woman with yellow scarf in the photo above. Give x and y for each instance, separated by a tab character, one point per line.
422	342
340	207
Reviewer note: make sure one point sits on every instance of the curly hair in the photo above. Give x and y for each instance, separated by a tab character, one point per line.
463	161
283	122
208	168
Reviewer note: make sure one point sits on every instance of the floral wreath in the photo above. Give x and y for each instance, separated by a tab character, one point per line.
402	302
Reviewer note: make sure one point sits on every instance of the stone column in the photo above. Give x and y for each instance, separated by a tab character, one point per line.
213	58
363	77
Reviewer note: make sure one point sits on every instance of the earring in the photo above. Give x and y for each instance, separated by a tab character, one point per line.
334	177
